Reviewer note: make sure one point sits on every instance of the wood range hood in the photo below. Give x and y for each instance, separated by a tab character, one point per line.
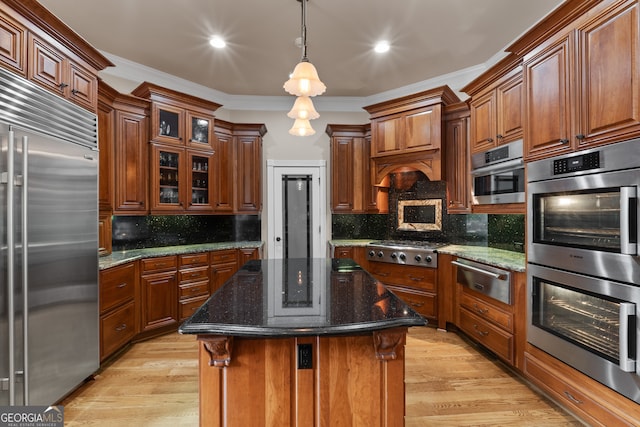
406	134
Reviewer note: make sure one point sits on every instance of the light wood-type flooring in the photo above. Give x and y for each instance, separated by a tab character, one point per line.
448	383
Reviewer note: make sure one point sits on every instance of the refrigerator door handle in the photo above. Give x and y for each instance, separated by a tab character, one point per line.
25	269
10	265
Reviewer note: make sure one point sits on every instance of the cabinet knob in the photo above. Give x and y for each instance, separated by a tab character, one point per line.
489	139
499	136
62	85
580	136
564	141
75	91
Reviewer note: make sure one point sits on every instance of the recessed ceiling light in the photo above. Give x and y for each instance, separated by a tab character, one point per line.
382	46
217	42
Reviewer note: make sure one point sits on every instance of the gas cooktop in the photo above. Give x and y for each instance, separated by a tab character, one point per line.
410	252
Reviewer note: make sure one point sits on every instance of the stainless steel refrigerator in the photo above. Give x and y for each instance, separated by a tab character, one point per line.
49	341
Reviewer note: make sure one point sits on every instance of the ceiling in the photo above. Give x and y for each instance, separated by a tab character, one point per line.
429	38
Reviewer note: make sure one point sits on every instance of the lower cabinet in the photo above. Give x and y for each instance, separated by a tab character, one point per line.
194	287
414	285
223	264
159	282
118	288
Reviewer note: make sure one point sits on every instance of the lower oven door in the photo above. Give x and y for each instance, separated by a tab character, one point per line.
588	323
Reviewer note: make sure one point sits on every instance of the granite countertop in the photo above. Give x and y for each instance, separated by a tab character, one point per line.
122	257
514	261
275	298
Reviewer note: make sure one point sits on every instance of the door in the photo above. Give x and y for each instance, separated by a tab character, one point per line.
297	206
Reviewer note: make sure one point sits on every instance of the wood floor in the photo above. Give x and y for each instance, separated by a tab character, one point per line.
448	383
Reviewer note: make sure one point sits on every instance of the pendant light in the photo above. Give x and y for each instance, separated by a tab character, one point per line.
303	109
301	127
304	80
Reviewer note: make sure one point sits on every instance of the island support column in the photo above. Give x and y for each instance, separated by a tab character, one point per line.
303	381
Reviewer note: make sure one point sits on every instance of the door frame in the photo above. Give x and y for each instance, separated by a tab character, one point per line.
319	238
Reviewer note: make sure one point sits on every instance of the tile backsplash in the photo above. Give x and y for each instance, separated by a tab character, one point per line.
498	231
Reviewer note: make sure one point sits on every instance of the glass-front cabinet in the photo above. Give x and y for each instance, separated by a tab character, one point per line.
180	180
199	131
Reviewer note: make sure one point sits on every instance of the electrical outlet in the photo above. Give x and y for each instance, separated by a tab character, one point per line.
305	356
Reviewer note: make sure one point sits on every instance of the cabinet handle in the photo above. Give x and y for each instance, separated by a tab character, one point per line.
499	136
416	279
479	332
573	399
75	91
383	274
580	136
121	327
416	304
62	86
489	139
564	141
480	310
122	285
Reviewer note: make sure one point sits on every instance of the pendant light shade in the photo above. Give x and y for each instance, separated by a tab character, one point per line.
301	127
304	81
303	109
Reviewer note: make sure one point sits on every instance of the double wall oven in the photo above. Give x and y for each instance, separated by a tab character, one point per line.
584	268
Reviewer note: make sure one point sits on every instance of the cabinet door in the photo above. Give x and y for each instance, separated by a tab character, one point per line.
248	174
387	134
131	164
610	78
199	130
84	86
159	300
457	166
167	124
13	45
220	273
247	254
483	122
342	174
167	182
224	167
509	106
47	66
422	129
199	172
547	75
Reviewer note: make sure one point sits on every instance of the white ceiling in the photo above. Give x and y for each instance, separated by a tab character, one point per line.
429	38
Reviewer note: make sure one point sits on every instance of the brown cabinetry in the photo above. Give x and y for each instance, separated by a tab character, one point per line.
247	254
118	289
496	106
223	264
417	286
456	153
352	189
159	283
193	285
582	83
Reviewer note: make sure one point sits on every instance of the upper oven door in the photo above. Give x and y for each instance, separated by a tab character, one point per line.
586	223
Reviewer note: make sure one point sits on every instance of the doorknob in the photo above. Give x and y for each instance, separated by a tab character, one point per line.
277	239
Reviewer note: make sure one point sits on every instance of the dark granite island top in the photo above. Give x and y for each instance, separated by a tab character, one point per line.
300	297
302	342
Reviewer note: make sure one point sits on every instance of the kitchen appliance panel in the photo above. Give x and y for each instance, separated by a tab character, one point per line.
498	175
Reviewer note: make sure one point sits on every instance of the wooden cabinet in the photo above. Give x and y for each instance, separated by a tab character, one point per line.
352	189
417	286
238	165
118	290
407	132
223	264
247	254
159	283
582	83
13	49
456	153
496	107
498	326
356	253
193	283
593	402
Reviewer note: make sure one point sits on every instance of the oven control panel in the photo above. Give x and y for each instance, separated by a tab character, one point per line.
582	162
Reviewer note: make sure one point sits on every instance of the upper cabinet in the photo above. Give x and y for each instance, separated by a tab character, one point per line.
456	153
582	82
37	45
496	106
407	131
352	190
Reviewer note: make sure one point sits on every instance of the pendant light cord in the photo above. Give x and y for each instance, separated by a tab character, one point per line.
304	31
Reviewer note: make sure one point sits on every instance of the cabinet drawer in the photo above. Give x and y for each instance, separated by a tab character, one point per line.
486	311
422	302
116	329
159	264
188	260
117	285
496	340
405	275
227	255
194	274
194	289
189	306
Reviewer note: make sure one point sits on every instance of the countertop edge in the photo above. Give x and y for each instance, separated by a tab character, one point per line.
123	257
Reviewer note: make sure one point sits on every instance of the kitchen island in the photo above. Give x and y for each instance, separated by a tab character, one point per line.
302	342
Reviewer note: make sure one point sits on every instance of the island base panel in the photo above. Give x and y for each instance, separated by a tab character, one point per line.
349	384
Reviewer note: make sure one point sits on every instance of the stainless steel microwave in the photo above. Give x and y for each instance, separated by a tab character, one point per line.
498	175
